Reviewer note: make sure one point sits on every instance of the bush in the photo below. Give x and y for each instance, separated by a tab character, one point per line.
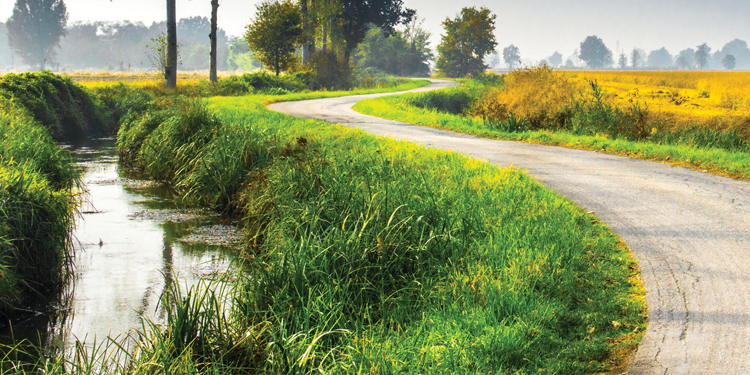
331	72
56	102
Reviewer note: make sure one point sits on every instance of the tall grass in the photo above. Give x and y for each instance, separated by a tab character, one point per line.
364	254
37	202
580	116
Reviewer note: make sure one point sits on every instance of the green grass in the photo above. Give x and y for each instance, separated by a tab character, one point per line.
38	185
700	149
370	255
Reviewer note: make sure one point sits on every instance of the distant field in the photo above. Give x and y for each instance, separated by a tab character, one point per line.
679	98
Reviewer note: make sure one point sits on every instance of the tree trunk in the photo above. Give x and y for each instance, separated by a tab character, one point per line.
325	36
214	10
306	41
171	68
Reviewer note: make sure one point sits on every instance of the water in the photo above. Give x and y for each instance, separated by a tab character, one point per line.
128	252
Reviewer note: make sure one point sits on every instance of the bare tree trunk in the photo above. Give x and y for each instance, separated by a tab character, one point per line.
171	68
214	10
306	41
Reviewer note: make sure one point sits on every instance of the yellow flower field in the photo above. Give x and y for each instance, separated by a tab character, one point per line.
679	98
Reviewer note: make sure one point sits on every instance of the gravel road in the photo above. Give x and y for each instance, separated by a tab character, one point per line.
689	230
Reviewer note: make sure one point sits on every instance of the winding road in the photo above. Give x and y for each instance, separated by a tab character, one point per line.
689	230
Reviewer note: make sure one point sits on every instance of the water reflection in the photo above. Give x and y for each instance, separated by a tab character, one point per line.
124	261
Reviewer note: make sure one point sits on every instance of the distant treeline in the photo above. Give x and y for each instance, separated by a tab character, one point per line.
122	46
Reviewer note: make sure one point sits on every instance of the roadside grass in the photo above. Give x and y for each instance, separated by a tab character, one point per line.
728	155
364	255
370	255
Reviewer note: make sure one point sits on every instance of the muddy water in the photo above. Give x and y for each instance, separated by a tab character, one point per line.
128	252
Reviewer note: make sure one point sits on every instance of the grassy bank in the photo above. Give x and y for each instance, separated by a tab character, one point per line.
369	255
38	185
541	107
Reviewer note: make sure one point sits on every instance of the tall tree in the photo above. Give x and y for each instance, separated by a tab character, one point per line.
170	70
660	58
635	58
555	59
595	53
214	11
511	56
729	62
701	56
357	16
468	39
35	28
275	32
622	62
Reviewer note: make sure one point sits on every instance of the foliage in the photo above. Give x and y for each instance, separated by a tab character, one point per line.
535	94
358	16
595	53
240	57
511	56
555	59
37	194
354	259
35	28
158	54
702	54
55	102
332	72
660	58
685	59
729	62
274	33
393	55
468	39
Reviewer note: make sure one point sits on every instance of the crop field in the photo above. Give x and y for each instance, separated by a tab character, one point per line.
680	98
677	117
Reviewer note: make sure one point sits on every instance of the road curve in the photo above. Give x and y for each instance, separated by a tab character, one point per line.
689	230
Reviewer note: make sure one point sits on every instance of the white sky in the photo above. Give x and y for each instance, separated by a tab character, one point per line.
537	27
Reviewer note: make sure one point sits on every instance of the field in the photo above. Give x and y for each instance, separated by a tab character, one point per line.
365	255
616	112
682	98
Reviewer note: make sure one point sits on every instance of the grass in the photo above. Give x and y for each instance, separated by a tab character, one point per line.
38	185
366	255
370	255
586	124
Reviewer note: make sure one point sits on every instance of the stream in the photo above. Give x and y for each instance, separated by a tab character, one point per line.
133	239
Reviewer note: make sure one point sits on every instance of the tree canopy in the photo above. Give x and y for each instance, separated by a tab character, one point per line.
357	16
729	62
35	28
701	56
468	39
395	55
595	53
660	58
275	32
555	59
511	56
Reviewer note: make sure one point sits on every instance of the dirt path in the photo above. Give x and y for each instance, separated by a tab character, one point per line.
689	230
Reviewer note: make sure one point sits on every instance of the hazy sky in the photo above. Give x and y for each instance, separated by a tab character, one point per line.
537	27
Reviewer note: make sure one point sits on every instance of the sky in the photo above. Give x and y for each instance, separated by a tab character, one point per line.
537	27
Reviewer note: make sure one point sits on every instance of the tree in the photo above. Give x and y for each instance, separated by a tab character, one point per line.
357	16
555	59
511	56
394	55
468	39
213	37
595	53
275	32
728	61
622	62
635	58
737	48
701	56
170	68
35	28
660	58
686	59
